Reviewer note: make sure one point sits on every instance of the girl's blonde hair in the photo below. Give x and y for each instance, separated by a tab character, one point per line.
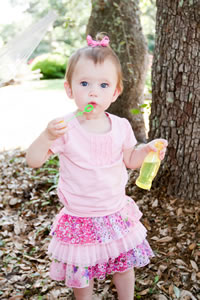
98	55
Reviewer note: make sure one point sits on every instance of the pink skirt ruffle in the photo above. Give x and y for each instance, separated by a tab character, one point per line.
83	248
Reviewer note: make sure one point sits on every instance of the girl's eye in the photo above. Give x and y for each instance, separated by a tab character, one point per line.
84	83
104	85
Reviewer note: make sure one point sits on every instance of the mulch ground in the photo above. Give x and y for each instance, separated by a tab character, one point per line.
28	205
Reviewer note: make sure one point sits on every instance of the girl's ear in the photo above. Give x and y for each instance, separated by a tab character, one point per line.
68	90
116	94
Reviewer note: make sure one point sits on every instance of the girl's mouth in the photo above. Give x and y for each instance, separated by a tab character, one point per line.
93	104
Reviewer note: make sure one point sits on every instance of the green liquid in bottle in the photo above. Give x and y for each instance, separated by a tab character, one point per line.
147	174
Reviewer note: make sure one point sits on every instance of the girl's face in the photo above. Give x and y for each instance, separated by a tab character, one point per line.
93	84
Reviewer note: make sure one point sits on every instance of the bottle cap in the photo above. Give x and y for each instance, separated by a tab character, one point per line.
159	145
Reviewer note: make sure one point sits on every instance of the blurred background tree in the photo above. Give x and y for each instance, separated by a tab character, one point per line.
121	21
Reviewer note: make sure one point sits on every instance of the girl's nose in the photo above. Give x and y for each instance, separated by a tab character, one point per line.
93	91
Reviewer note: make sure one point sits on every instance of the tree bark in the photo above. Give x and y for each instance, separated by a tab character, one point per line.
175	107
120	20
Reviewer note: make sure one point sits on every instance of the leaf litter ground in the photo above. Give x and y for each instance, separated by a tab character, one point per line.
28	206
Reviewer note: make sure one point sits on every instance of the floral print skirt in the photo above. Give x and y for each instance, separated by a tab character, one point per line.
83	248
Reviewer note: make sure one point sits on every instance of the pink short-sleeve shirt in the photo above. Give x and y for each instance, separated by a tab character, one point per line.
93	175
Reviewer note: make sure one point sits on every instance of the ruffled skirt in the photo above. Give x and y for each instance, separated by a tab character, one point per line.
83	248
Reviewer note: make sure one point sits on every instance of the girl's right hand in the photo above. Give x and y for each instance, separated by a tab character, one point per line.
55	129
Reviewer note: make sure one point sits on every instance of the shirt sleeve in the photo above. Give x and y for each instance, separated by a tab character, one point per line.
58	145
130	140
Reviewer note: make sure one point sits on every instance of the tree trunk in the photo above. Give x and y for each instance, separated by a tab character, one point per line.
175	107
120	20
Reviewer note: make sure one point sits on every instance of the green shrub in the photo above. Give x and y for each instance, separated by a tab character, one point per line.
50	65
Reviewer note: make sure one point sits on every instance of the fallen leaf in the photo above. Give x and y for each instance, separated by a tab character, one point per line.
180	262
194	265
160	297
155	203
180	226
18	297
147	224
171	289
179	211
144	292
185	294
165	239
192	246
177	292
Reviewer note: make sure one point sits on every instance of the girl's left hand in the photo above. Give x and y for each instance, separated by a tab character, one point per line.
151	147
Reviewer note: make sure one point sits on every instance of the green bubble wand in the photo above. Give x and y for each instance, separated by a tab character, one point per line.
87	108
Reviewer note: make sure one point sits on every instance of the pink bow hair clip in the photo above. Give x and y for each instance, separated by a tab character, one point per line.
104	42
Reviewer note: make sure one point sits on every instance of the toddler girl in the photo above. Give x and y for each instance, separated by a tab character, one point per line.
98	231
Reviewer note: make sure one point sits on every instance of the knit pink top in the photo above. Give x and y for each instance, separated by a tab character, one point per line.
93	175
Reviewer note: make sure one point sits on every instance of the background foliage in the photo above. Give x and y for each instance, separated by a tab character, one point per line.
70	26
148	19
50	65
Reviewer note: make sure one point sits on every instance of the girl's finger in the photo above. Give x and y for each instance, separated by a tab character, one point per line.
162	153
61	132
60	129
61	125
152	146
58	121
165	142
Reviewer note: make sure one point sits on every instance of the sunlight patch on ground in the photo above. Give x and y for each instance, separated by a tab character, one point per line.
26	109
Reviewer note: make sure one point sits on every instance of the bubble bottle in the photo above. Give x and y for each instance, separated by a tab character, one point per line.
149	168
